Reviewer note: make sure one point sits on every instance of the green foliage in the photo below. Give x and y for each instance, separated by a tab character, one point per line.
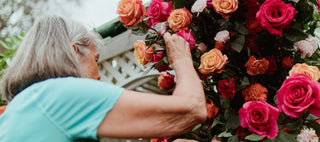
253	137
11	44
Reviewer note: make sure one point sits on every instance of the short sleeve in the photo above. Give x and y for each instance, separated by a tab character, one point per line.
77	105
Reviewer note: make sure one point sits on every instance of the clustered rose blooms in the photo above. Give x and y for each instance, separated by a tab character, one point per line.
297	94
307	47
312	71
255	92
225	7
212	110
143	53
187	35
179	19
131	12
166	81
212	62
226	88
159	11
260	117
256	67
275	15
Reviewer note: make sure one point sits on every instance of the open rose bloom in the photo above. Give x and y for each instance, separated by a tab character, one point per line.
297	94
131	12
260	117
275	15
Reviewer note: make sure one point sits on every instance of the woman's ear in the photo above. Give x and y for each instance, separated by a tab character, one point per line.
75	47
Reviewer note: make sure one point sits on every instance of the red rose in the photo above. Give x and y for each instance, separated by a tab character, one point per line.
159	140
297	94
166	81
255	92
226	89
287	62
158	57
256	67
274	15
212	110
272	64
260	117
159	11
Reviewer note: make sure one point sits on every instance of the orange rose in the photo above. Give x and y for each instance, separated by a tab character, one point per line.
179	19
2	109
211	109
255	67
143	53
212	61
131	12
255	92
225	7
166	81
312	71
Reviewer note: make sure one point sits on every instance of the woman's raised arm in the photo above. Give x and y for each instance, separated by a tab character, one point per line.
146	115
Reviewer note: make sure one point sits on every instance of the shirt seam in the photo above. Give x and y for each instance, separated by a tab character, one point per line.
52	121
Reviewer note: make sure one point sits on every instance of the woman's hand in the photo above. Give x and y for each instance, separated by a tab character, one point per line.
178	50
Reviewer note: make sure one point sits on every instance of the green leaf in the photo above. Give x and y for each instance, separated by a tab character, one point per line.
233	120
216	122
234	138
294	35
237	42
240	27
284	137
253	137
225	134
295	125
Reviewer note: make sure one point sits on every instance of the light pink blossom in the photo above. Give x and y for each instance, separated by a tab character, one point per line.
222	36
198	6
306	47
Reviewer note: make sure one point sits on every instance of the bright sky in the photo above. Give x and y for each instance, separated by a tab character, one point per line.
91	13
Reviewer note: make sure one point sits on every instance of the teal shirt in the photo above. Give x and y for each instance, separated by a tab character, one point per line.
58	110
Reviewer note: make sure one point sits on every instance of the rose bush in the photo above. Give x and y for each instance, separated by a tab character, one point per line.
260	117
244	52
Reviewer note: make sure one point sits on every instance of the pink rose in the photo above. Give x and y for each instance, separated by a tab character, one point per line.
159	11
187	35
198	6
307	46
222	36
227	88
318	5
158	57
260	117
202	47
274	15
297	94
166	81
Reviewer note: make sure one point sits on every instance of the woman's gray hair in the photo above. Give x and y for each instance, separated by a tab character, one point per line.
47	52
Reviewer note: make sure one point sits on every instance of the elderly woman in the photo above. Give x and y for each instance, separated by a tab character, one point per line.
54	94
